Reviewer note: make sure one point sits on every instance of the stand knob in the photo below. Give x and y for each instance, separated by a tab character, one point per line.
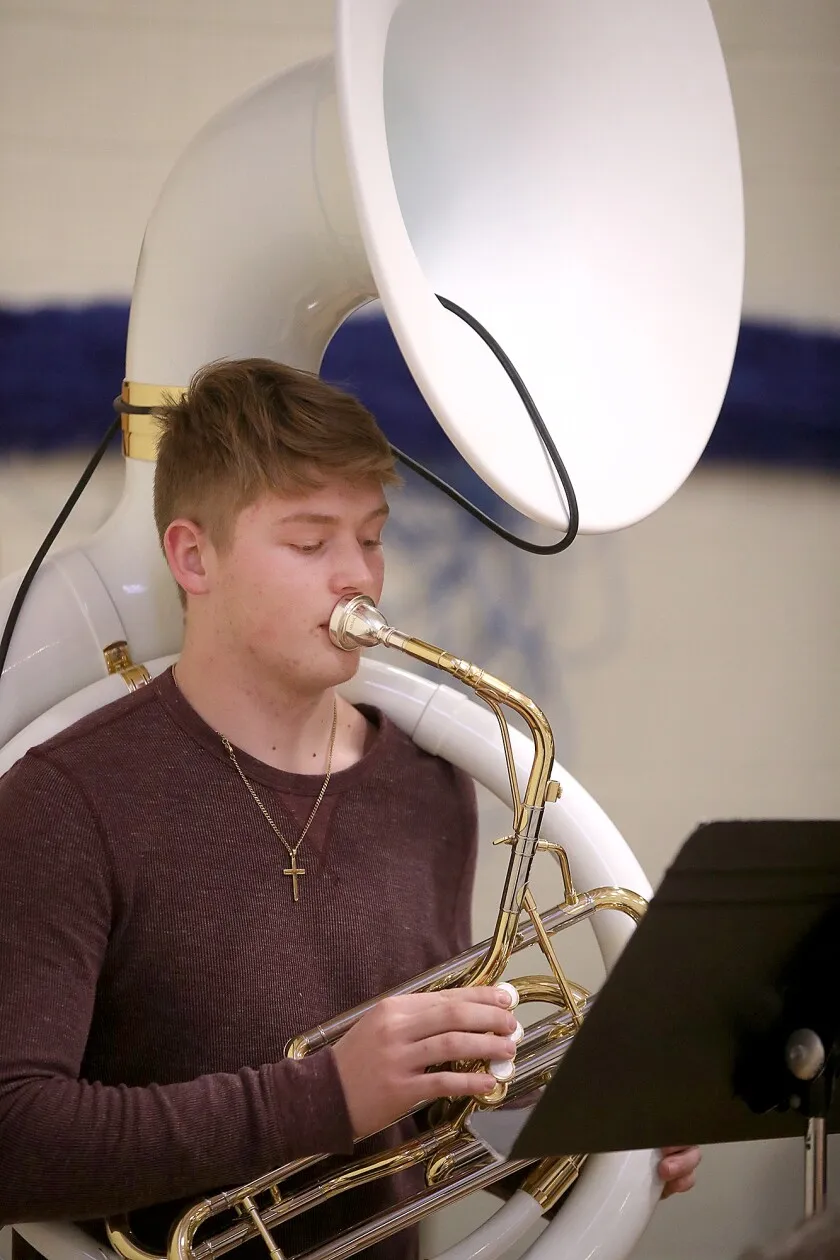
804	1054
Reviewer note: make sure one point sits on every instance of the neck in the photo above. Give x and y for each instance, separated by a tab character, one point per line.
284	729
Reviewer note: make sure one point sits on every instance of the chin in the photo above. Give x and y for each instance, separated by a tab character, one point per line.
331	669
345	669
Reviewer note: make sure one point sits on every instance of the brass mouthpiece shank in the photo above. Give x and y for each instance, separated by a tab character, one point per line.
356	622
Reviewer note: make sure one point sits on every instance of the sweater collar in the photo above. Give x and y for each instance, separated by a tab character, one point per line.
381	734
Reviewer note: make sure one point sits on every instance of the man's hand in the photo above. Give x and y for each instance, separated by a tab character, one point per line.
677	1168
382	1060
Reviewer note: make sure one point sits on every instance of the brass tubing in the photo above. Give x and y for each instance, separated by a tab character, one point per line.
541	1049
621	899
186	1227
544	989
357	622
184	1230
410	1212
563	859
492	966
448	975
528	816
442	1166
122	1238
541	1064
546	1051
351	1176
551	958
549	1180
255	1218
516	799
227	1199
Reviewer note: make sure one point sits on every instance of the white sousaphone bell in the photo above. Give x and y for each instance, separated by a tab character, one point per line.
566	173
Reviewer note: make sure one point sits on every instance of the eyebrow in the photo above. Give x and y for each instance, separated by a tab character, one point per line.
321	518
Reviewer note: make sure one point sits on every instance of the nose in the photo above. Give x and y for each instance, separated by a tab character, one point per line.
353	572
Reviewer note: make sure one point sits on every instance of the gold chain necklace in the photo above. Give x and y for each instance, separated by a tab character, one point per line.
293	870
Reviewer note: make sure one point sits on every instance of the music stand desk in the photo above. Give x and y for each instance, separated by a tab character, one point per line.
713	1017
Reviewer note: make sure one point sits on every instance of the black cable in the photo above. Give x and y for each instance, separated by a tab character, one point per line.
55	528
538	549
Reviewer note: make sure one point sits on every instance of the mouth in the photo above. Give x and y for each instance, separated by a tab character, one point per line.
324	629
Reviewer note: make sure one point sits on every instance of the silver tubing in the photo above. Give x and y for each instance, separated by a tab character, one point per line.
816	1166
545	1043
449	973
410	1212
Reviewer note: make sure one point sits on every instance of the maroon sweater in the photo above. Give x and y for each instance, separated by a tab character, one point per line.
153	964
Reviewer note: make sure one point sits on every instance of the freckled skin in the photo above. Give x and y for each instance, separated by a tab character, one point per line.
271	591
277	597
257	662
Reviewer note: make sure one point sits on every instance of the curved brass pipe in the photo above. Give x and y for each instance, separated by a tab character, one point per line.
541	1053
357	622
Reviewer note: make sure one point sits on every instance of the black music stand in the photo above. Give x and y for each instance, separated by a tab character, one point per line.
720	1022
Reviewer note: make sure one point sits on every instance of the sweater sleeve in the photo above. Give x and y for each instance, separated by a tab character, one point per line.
73	1148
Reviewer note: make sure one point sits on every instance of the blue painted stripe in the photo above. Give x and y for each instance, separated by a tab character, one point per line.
61	366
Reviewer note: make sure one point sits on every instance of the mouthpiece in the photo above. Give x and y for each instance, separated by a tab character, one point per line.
356	622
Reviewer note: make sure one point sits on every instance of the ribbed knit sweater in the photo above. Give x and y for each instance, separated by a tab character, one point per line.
153	964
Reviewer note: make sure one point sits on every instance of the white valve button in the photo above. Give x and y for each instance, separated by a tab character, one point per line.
511	991
517	1034
502	1069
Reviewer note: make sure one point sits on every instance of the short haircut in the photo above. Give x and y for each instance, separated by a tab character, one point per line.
249	427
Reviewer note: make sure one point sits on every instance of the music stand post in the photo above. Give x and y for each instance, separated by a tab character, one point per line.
720	1021
806	1060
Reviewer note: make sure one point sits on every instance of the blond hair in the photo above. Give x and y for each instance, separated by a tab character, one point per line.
252	426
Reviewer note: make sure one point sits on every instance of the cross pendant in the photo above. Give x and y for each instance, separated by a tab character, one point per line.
294	870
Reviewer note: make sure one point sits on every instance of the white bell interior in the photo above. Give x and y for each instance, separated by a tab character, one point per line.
569	174
517	159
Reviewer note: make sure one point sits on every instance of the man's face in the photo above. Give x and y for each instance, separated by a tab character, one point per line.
290	560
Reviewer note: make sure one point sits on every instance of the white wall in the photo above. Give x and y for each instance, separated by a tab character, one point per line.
97	98
697	669
784	66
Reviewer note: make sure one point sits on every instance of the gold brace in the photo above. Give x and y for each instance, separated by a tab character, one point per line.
140	433
118	660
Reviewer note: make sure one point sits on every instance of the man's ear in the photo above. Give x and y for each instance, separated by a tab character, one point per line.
187	549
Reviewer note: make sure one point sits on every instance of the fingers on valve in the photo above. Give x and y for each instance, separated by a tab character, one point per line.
458	1084
505	987
502	1069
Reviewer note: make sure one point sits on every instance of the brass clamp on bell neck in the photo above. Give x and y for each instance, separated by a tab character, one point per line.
137	404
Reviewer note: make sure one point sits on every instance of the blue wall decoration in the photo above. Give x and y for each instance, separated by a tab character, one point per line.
61	366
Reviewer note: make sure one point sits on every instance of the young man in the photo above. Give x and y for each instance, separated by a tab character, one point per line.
234	854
